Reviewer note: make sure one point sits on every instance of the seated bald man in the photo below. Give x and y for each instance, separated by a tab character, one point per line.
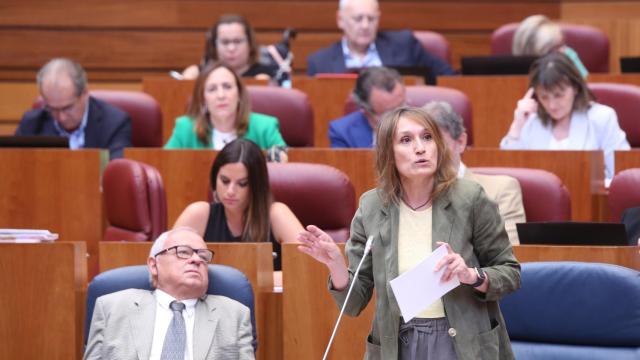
176	321
362	45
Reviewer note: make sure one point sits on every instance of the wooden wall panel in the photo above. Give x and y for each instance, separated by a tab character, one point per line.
120	40
43	300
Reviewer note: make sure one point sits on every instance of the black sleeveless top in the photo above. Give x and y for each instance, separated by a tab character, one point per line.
218	231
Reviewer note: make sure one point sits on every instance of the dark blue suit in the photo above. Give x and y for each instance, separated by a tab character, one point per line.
351	131
396	48
107	127
631	221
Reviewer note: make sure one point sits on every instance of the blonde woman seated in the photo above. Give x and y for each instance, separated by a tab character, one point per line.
558	112
538	35
220	112
243	210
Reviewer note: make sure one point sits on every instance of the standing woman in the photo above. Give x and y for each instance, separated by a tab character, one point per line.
558	112
418	205
219	112
243	210
231	41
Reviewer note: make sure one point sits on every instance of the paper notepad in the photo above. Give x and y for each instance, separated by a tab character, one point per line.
420	287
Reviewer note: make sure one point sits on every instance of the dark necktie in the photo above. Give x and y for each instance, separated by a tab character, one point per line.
176	337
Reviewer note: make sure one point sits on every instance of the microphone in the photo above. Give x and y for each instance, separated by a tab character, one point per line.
367	249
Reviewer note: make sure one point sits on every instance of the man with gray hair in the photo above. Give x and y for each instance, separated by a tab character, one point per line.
377	91
362	45
503	190
176	321
71	112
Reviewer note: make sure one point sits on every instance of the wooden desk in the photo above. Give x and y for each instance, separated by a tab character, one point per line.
494	99
582	172
626	256
43	300
627	159
310	312
255	260
54	189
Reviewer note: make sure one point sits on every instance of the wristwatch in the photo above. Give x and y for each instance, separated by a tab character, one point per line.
481	277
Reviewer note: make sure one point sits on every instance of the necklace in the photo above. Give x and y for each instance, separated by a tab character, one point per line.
417	207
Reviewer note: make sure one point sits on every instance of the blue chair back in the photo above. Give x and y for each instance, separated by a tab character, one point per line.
223	280
574	310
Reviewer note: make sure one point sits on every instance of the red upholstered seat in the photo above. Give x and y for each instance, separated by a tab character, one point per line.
591	44
317	194
544	196
625	100
419	95
135	201
435	44
624	192
144	111
290	106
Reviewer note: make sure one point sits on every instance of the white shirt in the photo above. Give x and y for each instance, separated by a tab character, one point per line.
370	59
76	137
164	315
220	139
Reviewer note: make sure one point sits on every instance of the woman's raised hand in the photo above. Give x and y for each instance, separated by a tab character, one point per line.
526	106
317	244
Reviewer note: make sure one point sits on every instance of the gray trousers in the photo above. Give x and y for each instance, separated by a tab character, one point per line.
425	339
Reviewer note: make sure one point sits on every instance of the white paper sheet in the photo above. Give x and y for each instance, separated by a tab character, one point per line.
419	287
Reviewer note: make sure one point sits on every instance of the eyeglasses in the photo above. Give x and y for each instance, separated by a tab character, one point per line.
63	109
228	42
186	252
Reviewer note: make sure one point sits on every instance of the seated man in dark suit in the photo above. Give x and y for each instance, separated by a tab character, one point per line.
377	90
69	111
363	46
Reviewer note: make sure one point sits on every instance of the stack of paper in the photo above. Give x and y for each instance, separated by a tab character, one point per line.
26	235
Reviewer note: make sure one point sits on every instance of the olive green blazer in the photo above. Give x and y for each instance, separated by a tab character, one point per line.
263	130
466	219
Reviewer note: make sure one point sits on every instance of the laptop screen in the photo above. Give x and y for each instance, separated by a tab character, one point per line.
34	141
496	65
572	233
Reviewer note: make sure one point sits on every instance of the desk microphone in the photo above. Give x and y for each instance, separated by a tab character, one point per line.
367	249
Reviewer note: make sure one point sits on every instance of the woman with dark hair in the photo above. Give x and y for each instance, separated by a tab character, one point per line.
558	112
419	205
243	210
231	41
220	111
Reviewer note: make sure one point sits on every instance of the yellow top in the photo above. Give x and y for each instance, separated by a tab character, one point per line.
414	245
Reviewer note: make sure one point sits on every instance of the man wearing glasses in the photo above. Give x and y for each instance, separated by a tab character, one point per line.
177	320
71	112
377	91
363	46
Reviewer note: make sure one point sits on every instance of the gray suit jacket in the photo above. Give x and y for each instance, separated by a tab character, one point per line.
123	322
466	219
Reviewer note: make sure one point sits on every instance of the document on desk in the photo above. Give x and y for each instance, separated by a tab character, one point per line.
419	287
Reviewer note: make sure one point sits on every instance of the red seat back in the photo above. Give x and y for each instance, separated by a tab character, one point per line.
624	192
290	106
135	201
544	196
591	44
